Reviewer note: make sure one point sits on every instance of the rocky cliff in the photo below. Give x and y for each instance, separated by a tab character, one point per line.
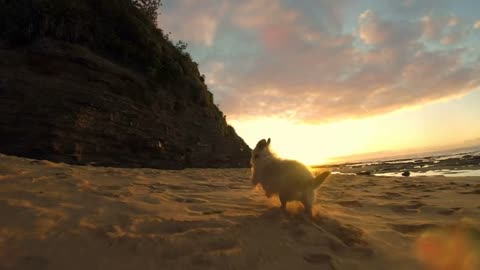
66	96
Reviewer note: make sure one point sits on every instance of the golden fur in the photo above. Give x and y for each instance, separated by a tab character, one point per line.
289	179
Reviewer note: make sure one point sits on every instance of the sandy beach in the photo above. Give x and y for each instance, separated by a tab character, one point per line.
127	128
58	216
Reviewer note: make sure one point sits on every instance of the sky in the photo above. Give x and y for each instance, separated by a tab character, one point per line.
327	79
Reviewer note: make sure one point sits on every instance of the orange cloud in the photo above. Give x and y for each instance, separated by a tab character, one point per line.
274	60
477	25
446	30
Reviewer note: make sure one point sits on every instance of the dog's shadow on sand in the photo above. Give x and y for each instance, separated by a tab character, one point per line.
319	240
298	222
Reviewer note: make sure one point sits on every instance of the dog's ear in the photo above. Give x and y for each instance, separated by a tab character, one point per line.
268	141
261	144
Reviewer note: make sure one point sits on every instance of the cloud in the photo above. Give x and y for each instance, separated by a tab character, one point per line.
446	30
273	24
374	30
273	58
194	21
477	25
433	27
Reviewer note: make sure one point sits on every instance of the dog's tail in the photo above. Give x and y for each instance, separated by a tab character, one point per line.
319	179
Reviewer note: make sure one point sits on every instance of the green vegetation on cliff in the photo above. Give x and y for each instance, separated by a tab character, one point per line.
116	29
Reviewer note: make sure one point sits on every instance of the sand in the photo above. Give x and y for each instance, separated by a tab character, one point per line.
57	216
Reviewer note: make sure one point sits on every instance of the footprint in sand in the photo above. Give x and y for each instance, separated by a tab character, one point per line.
149	199
201	259
221	243
162	227
420	187
388	196
32	262
412	207
296	232
102	188
319	258
446	212
189	200
349	235
62	175
351	204
476	191
204	210
236	186
153	188
111	191
412	228
450	211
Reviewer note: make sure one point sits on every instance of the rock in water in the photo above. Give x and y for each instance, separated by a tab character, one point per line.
406	173
72	95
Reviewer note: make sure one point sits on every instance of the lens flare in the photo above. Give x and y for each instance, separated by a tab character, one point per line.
456	247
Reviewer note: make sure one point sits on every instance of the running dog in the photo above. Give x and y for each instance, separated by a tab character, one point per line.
289	179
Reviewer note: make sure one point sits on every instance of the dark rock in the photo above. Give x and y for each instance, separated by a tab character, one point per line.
406	173
364	173
67	104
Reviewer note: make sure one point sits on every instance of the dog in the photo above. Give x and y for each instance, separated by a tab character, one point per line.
289	179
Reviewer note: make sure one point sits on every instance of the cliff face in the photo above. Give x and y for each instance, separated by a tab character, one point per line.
61	102
67	101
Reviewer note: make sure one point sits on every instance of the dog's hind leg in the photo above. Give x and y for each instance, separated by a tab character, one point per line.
308	208
308	202
283	201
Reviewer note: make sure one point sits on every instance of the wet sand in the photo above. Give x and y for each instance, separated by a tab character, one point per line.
57	216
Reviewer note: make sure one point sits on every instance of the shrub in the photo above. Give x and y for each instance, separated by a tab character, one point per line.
149	7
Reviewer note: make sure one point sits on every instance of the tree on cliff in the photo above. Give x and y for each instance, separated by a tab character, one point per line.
122	30
149	7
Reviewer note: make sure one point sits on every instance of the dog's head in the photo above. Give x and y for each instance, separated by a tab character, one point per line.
261	151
